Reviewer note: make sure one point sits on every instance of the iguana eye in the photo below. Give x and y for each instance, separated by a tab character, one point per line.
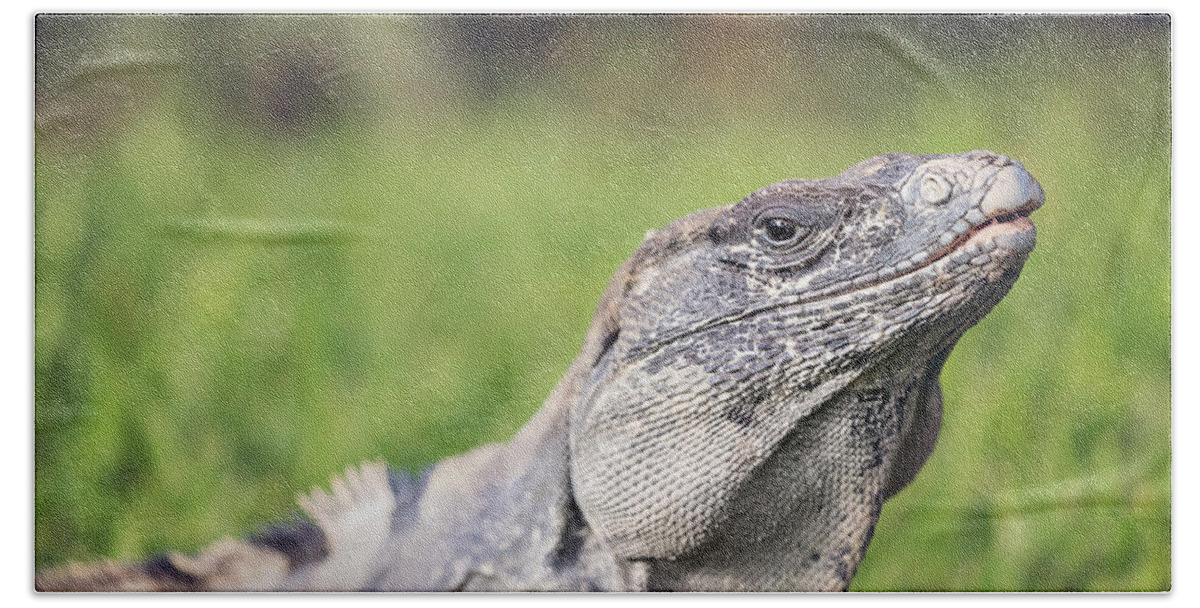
781	231
788	230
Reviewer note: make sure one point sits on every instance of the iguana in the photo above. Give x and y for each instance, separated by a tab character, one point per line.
758	379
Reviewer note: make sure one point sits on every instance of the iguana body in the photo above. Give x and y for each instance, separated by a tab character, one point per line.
757	380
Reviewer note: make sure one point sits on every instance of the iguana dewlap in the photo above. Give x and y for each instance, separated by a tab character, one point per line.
757	380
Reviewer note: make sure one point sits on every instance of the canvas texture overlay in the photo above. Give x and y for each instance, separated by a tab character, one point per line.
624	302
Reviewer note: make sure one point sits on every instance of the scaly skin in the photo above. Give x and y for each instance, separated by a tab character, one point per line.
757	380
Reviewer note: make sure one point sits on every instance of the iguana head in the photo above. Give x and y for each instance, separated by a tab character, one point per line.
730	325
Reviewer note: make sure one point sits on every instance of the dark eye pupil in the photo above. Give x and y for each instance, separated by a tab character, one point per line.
780	230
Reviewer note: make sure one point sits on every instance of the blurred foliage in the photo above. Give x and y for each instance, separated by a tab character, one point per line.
268	247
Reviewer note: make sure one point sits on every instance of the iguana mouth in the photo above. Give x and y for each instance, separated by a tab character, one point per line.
973	243
1018	219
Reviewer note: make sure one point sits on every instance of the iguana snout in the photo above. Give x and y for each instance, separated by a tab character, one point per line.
995	202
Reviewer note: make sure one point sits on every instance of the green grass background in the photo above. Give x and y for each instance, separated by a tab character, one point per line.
270	247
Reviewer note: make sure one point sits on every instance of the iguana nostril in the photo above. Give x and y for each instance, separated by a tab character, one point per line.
1012	189
935	190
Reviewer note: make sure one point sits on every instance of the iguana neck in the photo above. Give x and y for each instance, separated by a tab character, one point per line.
803	520
502	517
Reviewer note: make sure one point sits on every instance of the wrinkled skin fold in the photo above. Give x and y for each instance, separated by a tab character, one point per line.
758	379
